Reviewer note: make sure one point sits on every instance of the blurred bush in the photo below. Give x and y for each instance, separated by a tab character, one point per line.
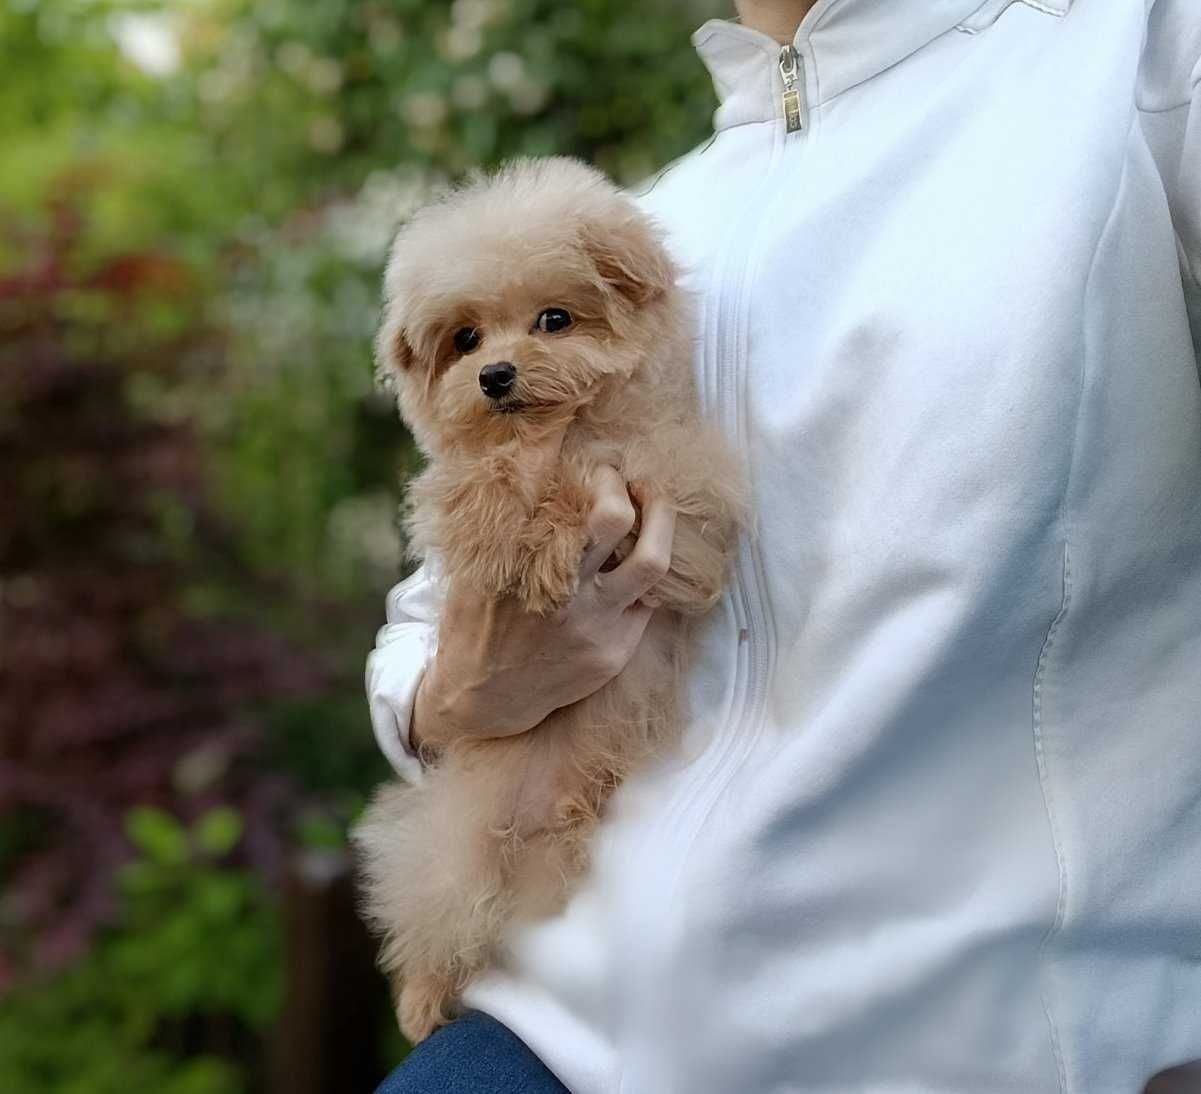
146	1006
199	476
123	680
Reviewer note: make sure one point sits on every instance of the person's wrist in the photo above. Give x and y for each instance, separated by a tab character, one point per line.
434	718
516	722
445	709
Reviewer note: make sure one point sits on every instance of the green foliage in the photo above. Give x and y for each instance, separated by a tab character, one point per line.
197	949
217	832
164	842
289	424
229	200
158	835
301	732
276	159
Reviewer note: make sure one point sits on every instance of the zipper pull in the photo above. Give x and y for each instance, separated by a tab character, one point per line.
792	69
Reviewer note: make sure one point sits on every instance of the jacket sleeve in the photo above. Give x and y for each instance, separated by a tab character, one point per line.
1169	99
396	665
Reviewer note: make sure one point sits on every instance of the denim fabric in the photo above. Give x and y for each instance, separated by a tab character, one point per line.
474	1054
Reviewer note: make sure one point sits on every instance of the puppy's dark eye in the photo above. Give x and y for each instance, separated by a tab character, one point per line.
466	339
553	319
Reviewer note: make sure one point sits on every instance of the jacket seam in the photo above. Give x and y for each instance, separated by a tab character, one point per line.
1191	277
1042	8
1194	83
820	102
1163	109
1049	806
991	12
646	186
1040	675
1059	10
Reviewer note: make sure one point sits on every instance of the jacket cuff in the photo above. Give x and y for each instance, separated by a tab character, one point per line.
394	672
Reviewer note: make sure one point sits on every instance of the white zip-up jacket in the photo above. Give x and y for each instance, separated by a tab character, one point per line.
936	827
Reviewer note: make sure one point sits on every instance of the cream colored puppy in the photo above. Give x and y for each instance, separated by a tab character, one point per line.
536	334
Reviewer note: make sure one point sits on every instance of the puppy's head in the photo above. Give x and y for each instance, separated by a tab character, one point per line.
515	300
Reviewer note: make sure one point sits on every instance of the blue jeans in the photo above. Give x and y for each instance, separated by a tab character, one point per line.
474	1054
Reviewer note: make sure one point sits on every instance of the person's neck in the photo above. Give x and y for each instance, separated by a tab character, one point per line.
778	18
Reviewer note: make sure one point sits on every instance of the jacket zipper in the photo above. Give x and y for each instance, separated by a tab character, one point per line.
792	70
755	649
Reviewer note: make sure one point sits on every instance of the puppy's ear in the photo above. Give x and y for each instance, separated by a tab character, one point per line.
629	258
393	349
401	350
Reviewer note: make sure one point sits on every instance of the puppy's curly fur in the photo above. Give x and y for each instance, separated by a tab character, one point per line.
449	862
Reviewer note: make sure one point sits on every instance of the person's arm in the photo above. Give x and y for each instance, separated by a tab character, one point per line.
478	667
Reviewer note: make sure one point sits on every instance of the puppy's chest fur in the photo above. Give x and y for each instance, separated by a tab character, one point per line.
512	521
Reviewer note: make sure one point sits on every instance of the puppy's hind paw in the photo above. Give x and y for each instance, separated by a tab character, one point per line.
423	1006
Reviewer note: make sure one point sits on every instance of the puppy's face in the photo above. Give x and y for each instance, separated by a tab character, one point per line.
514	345
513	302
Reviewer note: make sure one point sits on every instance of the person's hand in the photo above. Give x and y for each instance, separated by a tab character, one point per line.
500	670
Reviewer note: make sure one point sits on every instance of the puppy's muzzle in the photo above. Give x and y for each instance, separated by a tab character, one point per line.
498	379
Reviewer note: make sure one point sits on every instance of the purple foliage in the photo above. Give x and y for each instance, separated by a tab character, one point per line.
111	692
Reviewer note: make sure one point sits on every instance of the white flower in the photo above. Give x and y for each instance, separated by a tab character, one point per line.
506	70
149	40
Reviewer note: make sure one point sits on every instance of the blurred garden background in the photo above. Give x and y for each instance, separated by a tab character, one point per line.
199	485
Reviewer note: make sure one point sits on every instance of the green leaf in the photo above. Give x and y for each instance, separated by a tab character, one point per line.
217	832
158	835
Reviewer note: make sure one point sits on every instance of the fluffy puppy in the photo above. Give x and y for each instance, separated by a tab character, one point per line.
533	312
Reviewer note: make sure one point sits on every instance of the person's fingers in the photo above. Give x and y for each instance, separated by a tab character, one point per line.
609	522
647	564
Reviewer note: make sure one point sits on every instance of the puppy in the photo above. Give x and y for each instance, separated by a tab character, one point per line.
535	312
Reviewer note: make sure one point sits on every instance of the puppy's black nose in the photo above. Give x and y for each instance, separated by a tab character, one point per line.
495	380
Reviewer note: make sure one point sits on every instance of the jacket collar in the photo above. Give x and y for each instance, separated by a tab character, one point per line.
842	43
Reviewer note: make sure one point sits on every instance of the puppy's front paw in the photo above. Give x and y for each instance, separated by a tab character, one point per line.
553	545
551	573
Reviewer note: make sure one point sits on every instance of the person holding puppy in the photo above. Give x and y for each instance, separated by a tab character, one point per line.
934	824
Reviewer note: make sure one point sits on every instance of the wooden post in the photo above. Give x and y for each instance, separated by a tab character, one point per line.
325	1041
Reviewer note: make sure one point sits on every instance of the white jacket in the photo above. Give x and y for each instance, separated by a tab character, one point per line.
937	827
